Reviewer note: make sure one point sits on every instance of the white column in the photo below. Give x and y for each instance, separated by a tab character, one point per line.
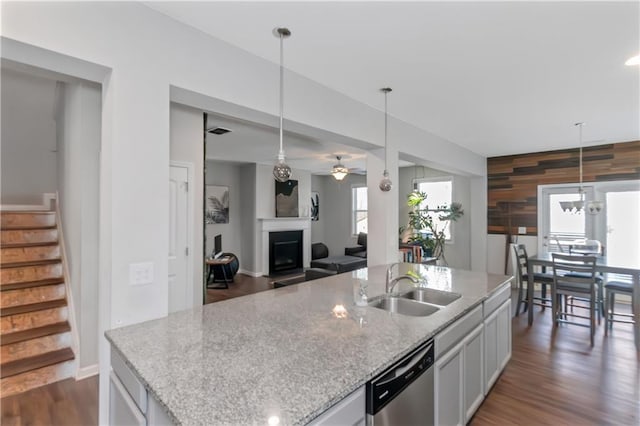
382	239
478	223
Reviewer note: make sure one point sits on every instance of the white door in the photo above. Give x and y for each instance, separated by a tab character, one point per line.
179	213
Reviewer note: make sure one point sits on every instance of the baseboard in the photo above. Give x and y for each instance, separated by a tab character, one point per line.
88	371
250	273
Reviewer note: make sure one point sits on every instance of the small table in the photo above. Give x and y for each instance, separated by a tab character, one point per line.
603	266
223	263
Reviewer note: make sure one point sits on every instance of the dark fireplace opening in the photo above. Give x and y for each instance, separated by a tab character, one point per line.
285	252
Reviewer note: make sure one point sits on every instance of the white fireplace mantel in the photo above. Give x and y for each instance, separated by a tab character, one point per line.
276	224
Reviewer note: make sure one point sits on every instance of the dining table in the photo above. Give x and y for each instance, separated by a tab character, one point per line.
603	265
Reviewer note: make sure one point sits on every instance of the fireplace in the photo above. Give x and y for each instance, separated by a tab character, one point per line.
285	252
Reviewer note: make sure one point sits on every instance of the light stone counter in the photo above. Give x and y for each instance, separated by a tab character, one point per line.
283	352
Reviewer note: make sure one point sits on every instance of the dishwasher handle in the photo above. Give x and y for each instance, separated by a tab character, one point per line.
386	386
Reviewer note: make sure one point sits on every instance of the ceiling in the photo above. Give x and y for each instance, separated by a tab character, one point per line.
495	77
253	143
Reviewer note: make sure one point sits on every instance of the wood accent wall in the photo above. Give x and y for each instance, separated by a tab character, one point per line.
513	180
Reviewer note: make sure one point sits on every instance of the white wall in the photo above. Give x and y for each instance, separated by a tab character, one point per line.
28	138
226	174
78	145
148	54
251	250
458	251
186	126
335	205
318	226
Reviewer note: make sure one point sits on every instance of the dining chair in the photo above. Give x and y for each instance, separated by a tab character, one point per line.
545	280
593	248
612	288
574	275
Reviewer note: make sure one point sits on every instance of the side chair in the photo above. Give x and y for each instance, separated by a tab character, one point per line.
574	276
545	280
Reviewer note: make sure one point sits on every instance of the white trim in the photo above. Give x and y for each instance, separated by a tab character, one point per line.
88	371
191	207
71	310
267	225
250	273
48	198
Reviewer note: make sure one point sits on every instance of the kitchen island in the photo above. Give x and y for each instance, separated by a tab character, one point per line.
289	354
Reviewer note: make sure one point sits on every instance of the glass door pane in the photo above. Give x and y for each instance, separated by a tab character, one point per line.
623	227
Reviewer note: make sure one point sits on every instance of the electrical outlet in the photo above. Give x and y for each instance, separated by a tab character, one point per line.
140	273
522	230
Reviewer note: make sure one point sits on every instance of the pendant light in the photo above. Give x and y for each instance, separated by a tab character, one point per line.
339	171
281	171
592	207
385	183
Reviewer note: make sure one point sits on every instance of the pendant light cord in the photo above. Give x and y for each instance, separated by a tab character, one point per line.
281	152
580	190
386	152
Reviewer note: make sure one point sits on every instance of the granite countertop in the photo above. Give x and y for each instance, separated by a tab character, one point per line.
284	352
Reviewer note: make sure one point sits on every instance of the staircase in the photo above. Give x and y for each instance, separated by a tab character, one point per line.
35	334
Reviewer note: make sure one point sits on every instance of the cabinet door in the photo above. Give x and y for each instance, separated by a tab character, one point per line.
448	383
473	371
122	409
350	411
490	350
503	348
497	343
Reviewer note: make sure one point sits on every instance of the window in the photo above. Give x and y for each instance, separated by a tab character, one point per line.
358	209
439	194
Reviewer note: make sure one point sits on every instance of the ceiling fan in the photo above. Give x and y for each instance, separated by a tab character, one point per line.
339	171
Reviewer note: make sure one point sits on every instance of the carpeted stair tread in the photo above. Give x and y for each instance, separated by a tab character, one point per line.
23	365
19	336
30	263
22	309
30	284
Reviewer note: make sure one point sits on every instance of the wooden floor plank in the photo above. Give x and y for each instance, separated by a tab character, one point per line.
556	378
68	402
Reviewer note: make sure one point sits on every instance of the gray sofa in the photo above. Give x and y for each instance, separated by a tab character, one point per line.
323	265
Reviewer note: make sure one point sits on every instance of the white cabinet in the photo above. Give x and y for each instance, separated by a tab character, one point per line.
473	372
458	380
122	408
129	401
470	354
497	342
351	411
447	378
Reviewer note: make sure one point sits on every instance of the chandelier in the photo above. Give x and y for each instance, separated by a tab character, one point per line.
577	206
339	171
281	171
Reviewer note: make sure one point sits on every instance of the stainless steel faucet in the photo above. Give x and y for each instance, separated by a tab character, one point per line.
391	283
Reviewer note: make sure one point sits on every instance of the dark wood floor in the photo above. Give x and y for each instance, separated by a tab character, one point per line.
556	378
552	379
243	285
68	402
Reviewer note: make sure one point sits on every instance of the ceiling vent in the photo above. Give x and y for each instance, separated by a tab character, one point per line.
218	130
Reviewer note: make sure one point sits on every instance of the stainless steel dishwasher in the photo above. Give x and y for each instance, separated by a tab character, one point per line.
403	394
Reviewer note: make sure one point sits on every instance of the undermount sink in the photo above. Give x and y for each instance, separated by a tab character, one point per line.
429	295
403	306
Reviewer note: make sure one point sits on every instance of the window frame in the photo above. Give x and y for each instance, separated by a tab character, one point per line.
354	211
445	178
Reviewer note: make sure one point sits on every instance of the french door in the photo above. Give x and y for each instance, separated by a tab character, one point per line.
557	228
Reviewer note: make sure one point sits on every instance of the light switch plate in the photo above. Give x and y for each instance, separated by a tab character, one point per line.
140	273
522	230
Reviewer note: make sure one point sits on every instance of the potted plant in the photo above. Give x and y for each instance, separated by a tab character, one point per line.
423	228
